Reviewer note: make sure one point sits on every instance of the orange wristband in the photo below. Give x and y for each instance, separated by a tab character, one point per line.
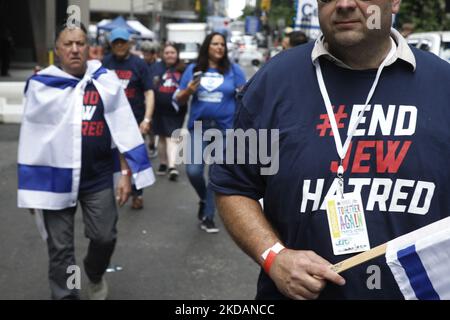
270	254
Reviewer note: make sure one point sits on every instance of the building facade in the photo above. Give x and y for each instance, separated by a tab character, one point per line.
32	25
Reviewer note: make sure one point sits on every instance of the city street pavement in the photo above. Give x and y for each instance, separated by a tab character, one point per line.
163	252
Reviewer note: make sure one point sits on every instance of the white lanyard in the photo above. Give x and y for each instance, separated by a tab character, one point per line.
342	149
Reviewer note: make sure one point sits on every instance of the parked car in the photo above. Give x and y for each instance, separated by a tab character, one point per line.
436	42
246	51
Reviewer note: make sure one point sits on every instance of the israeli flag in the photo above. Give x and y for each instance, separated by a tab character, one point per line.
49	157
420	262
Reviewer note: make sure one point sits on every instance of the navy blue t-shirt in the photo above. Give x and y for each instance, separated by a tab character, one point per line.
96	155
134	74
151	65
165	82
398	158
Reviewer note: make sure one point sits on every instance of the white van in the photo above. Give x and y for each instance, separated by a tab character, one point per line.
437	42
189	36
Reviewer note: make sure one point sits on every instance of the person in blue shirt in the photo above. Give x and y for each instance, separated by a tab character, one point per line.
134	74
213	106
168	116
396	160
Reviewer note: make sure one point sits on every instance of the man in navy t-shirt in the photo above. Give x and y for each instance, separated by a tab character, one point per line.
134	74
97	156
96	194
393	172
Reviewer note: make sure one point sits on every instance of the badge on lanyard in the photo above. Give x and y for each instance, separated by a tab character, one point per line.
345	212
347	224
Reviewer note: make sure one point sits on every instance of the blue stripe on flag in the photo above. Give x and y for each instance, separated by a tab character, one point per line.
417	275
60	82
42	178
55	82
99	72
137	159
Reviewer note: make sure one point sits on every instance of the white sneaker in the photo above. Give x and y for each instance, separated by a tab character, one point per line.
98	291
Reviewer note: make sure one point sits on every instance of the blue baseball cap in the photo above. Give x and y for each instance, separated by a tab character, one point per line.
119	33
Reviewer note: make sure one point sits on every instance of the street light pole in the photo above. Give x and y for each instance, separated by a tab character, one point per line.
131	9
154	8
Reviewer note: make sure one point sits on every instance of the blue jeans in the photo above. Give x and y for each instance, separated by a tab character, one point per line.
196	169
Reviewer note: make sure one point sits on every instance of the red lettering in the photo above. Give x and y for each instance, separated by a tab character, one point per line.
124	74
86	97
130	92
84	128
100	126
93	99
167	89
92	128
389	162
335	164
361	156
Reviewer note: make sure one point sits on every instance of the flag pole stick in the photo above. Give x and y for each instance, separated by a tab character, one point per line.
360	258
402	241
